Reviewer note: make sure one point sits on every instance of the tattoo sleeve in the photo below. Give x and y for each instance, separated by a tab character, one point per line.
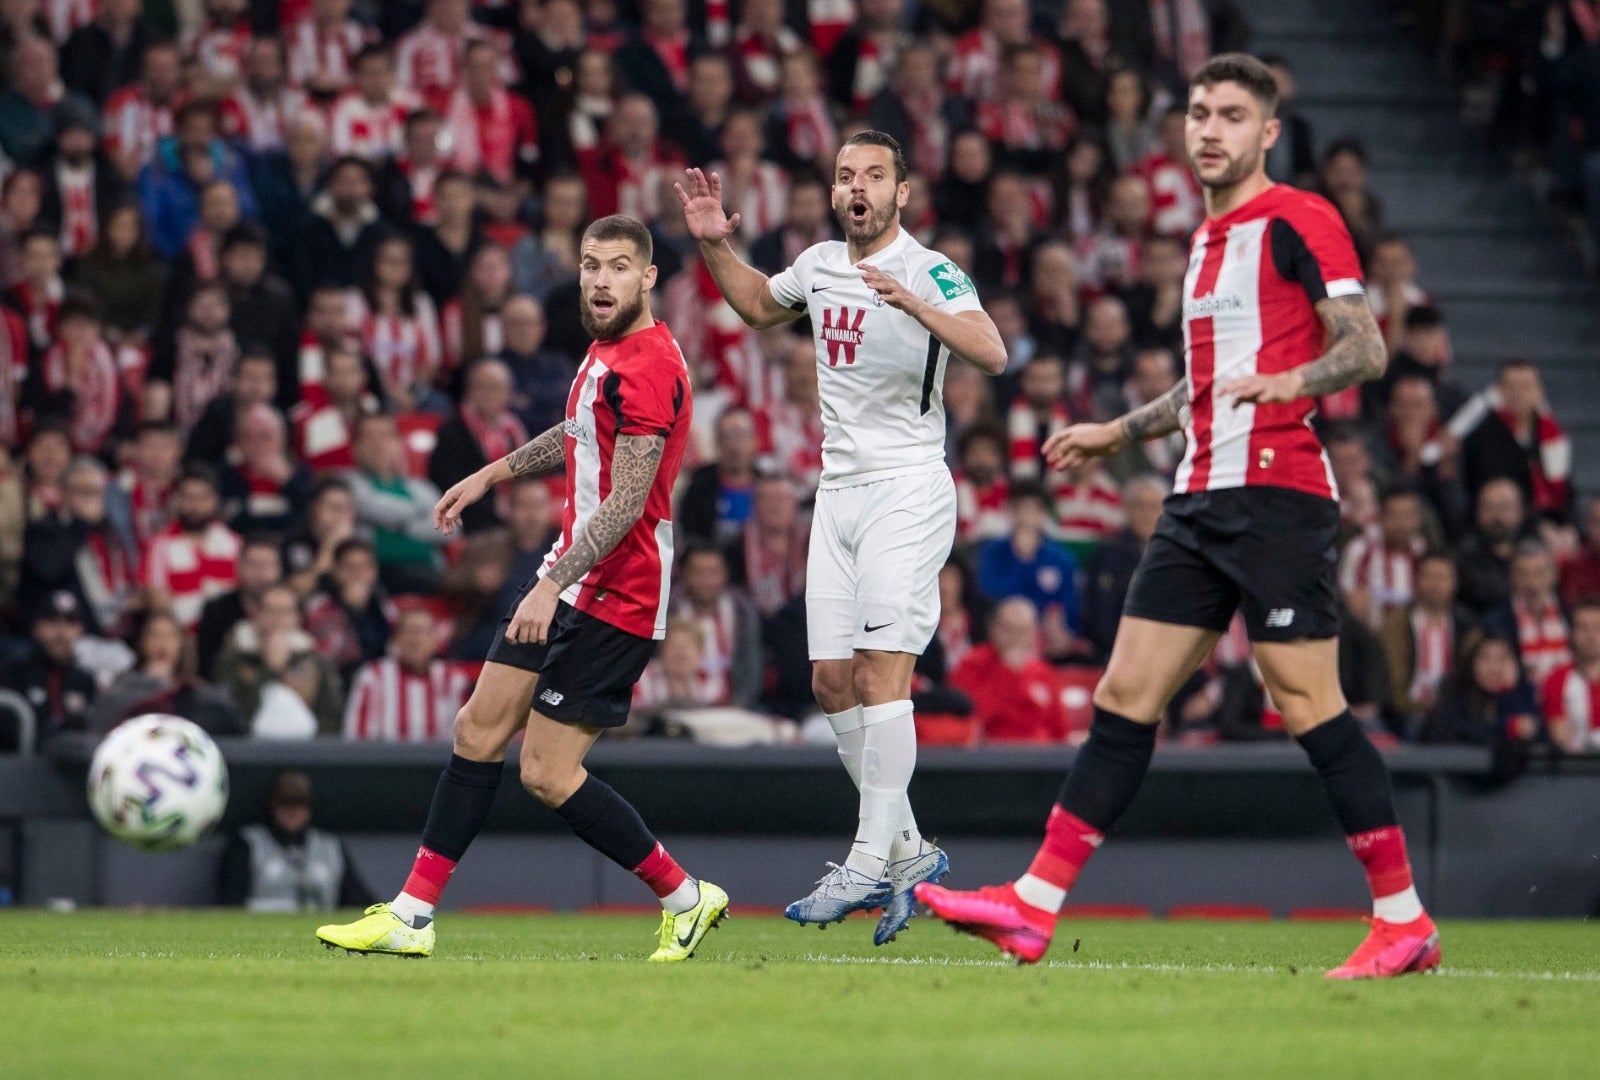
634	462
544	453
1355	350
1160	417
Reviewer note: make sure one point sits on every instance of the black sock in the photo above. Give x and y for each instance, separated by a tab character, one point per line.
608	823
460	803
1109	769
1353	772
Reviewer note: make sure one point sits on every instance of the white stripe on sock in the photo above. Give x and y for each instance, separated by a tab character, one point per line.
1039	893
1402	907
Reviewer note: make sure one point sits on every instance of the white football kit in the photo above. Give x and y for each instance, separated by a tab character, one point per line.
886	506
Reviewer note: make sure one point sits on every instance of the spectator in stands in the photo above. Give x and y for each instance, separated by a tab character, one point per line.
1155	371
1097	371
1028	564
342	231
1176	205
446	247
807	220
982	486
1007	232
104	55
60	691
199	262
255	114
283	864
397	326
800	128
162	680
411	696
1088	55
1488	703
1510	431
1015	694
350	615
1532	618
1110	567
716	502
287	180
534	525
677	677
1580	574
484	430
1424	351
1392	289
963	612
260	566
1571	692
77	379
79	548
322	48
404	182
44	467
916	110
548	255
267	490
330	520
1343	181
185	162
21	197
38	104
731	664
140	114
123	274
325	431
253	382
196	557
1130	132
1293	158
398	509
473	322
263	307
1052	306
198	364
271	669
708	103
1023	119
80	186
1355	476
39	291
1377	569
1416	451
546	42
1088	507
1084	184
961	194
541	377
1110	258
367	119
1423	639
768	559
146	484
978	54
471	590
1483	558
1155	302
494	132
1037	412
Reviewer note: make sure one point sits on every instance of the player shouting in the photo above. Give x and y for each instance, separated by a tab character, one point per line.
583	629
886	314
1273	281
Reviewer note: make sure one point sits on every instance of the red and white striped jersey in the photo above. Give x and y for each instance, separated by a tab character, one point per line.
389	703
1090	511
719	628
325	55
1176	202
405	349
260	124
636	385
133	125
981	511
654	689
428	61
220	49
150	506
356	126
975	66
65	16
1568	695
192	572
1255	276
1387	574
761	199
1542	639
452	324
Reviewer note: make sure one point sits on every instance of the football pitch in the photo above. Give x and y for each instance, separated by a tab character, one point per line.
220	994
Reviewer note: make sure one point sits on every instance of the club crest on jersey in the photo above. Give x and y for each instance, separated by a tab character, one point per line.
842	331
951	279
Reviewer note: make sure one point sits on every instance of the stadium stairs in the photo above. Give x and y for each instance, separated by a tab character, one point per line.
1493	261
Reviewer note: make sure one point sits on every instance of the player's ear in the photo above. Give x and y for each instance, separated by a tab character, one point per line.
649	277
1270	132
902	193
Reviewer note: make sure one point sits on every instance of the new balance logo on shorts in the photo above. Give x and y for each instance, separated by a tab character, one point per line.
1279	617
552	697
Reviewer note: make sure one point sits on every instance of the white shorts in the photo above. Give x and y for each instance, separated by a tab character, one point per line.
872	574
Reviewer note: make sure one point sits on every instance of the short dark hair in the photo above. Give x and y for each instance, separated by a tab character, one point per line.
367	52
324	484
695	549
201	471
1590	602
1028	489
78	304
348	160
271	541
622	227
1346	144
889	143
1245	70
1424	317
246	234
353	543
158	427
982	431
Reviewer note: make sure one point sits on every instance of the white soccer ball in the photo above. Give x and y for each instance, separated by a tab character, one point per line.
158	782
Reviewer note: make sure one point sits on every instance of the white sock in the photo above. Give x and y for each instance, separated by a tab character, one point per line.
1039	893
1402	907
888	758
852	737
410	909
682	898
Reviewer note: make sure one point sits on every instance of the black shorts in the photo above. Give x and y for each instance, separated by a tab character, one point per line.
1269	552
586	667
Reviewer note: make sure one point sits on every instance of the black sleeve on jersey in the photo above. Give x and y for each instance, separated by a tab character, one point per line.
1294	261
611	390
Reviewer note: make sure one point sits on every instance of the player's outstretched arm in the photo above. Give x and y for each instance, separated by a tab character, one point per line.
1354	353
634	462
971	335
742	286
544	453
1072	445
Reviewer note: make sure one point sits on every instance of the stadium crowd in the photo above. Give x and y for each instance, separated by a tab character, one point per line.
275	274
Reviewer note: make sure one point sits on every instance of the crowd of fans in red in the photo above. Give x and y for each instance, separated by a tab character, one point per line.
276	274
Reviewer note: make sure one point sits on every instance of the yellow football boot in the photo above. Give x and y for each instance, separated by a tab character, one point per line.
680	934
380	930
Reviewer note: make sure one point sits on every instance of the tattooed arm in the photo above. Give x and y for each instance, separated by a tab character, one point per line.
545	452
1071	446
1354	353
634	462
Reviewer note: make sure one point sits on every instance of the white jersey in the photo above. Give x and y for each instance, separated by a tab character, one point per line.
880	374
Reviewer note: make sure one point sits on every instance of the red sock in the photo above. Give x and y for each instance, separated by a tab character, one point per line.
1383	853
660	872
1068	843
429	874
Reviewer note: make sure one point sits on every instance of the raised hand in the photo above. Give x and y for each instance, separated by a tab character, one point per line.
702	207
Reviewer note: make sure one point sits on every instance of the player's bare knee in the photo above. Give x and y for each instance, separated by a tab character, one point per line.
832	685
475	735
551	782
1127	697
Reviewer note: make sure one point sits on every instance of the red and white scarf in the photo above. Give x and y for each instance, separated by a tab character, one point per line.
108	574
955	634
981	511
774	578
1186	45
930	135
1549	459
654	689
1541	638
13	373
1433	640
484	136
720	628
794	441
405	349
1090	511
151	507
496	439
760	56
808	129
80	219
673	53
40	312
202	369
1023	429
96	393
421	180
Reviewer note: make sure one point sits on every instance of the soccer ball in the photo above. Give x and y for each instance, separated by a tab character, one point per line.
158	782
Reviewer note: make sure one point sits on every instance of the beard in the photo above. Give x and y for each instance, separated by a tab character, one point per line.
876	224
622	317
1234	172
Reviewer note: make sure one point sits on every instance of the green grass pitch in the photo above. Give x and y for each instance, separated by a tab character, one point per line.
213	994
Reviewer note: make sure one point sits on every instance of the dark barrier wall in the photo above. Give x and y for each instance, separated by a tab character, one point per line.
1245	824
